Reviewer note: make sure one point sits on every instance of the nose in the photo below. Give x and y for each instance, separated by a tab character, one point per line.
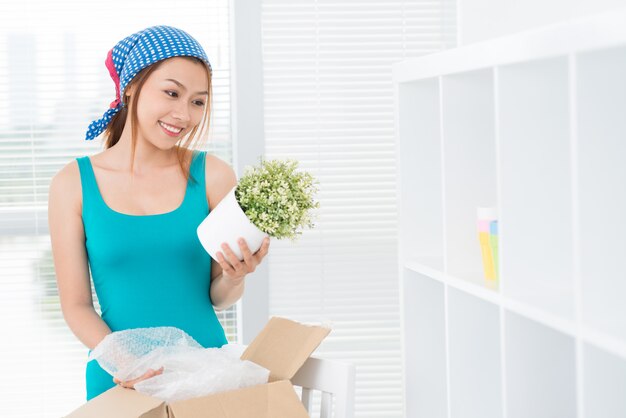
181	113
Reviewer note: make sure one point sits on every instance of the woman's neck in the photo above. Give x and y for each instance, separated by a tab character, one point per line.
147	158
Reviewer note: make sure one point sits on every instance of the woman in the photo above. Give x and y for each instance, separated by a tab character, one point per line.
130	213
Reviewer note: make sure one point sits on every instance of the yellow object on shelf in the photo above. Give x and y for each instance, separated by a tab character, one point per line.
487	253
488	239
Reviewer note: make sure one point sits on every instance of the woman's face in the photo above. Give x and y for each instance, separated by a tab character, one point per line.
172	101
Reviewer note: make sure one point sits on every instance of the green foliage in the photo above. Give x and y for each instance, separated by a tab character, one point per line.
277	198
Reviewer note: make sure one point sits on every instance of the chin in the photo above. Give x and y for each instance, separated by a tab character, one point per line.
164	142
166	146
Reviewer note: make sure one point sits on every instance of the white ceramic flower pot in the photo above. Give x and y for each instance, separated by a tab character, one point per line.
226	223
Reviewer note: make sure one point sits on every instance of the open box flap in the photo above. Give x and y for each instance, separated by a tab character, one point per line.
120	402
270	400
283	346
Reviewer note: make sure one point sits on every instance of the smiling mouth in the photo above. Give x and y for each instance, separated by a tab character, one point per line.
169	129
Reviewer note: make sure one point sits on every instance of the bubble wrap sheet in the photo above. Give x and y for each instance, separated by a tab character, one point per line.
189	370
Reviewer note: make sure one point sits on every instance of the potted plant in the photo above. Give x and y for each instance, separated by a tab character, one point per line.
270	199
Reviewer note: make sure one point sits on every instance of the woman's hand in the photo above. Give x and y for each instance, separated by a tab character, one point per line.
130	384
235	270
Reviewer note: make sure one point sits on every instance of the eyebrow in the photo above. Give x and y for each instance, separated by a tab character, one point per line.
179	84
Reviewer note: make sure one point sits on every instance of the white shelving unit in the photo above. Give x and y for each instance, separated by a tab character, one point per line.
533	124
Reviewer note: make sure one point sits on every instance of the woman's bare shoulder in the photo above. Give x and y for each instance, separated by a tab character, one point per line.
220	179
66	186
216	163
69	171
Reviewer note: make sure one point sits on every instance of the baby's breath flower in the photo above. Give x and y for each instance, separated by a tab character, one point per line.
277	198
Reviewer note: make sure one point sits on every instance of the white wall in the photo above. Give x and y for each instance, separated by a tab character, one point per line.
484	19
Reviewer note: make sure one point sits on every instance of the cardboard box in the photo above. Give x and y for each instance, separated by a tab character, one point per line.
281	347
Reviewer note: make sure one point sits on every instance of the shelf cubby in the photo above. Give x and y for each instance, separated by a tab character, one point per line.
474	346
601	198
604	382
540	367
468	144
425	347
423	238
535	178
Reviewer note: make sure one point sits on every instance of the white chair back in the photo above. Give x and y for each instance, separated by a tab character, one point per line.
334	379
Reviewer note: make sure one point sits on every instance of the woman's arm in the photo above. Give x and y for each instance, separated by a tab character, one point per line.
67	237
227	286
220	179
225	293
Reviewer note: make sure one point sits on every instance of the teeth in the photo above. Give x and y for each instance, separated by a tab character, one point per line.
170	128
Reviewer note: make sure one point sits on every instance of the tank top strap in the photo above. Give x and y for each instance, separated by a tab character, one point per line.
198	166
90	191
197	189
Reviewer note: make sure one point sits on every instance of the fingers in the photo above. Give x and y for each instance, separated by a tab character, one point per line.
250	261
231	257
147	375
247	254
130	384
226	267
262	252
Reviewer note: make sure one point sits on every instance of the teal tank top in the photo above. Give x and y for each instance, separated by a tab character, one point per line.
149	270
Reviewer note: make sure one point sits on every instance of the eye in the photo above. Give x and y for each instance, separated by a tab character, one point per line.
170	91
200	103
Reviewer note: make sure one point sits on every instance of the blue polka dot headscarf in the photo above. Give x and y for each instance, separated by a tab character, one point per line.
137	51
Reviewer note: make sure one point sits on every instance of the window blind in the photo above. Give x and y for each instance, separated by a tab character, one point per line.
328	101
53	83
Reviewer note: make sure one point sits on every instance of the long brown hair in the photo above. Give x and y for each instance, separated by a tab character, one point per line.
192	142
